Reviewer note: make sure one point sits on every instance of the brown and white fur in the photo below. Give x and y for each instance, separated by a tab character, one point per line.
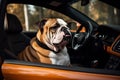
55	34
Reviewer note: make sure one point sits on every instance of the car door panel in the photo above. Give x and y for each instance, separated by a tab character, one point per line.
18	71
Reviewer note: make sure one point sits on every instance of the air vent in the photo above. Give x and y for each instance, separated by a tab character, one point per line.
116	46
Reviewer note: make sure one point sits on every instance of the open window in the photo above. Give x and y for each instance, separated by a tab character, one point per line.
87	63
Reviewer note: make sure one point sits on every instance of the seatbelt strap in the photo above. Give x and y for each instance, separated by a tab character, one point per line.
10	53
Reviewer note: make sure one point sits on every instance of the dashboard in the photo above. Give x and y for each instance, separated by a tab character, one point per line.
115	47
111	39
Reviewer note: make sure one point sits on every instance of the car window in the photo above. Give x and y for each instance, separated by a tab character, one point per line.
100	12
29	15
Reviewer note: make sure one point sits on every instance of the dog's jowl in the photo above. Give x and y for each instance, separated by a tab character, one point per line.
49	45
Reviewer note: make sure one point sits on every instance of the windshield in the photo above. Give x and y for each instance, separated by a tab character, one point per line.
100	12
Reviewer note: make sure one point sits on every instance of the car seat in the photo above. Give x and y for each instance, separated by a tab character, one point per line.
16	40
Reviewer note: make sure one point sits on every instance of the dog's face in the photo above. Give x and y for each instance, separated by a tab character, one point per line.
54	33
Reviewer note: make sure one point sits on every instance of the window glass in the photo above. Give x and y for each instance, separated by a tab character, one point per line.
100	12
29	15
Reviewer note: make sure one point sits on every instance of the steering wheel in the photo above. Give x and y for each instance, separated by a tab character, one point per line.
80	38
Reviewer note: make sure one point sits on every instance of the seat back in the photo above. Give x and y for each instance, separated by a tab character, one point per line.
17	41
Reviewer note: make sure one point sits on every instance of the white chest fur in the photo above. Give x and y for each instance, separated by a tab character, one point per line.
61	58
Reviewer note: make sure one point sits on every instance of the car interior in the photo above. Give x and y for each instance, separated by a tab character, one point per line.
99	50
85	55
17	41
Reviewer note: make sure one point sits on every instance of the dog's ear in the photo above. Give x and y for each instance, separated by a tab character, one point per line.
41	24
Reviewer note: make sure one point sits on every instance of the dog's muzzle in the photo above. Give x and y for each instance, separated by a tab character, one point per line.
62	38
67	35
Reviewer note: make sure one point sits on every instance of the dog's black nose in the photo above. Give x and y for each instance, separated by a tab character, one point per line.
65	30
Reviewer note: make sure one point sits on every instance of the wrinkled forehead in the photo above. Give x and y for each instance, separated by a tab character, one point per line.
54	22
61	22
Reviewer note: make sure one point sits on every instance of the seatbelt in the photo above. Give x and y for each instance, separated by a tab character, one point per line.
10	53
5	22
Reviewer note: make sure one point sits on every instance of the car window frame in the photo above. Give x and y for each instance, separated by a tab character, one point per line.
13	62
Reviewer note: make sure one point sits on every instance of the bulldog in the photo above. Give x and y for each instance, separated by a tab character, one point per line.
49	45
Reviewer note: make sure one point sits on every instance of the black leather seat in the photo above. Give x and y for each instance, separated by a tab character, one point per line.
16	40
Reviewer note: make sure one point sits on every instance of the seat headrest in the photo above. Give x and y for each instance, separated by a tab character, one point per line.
14	25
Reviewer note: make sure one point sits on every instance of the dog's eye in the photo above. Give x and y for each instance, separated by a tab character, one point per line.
53	29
